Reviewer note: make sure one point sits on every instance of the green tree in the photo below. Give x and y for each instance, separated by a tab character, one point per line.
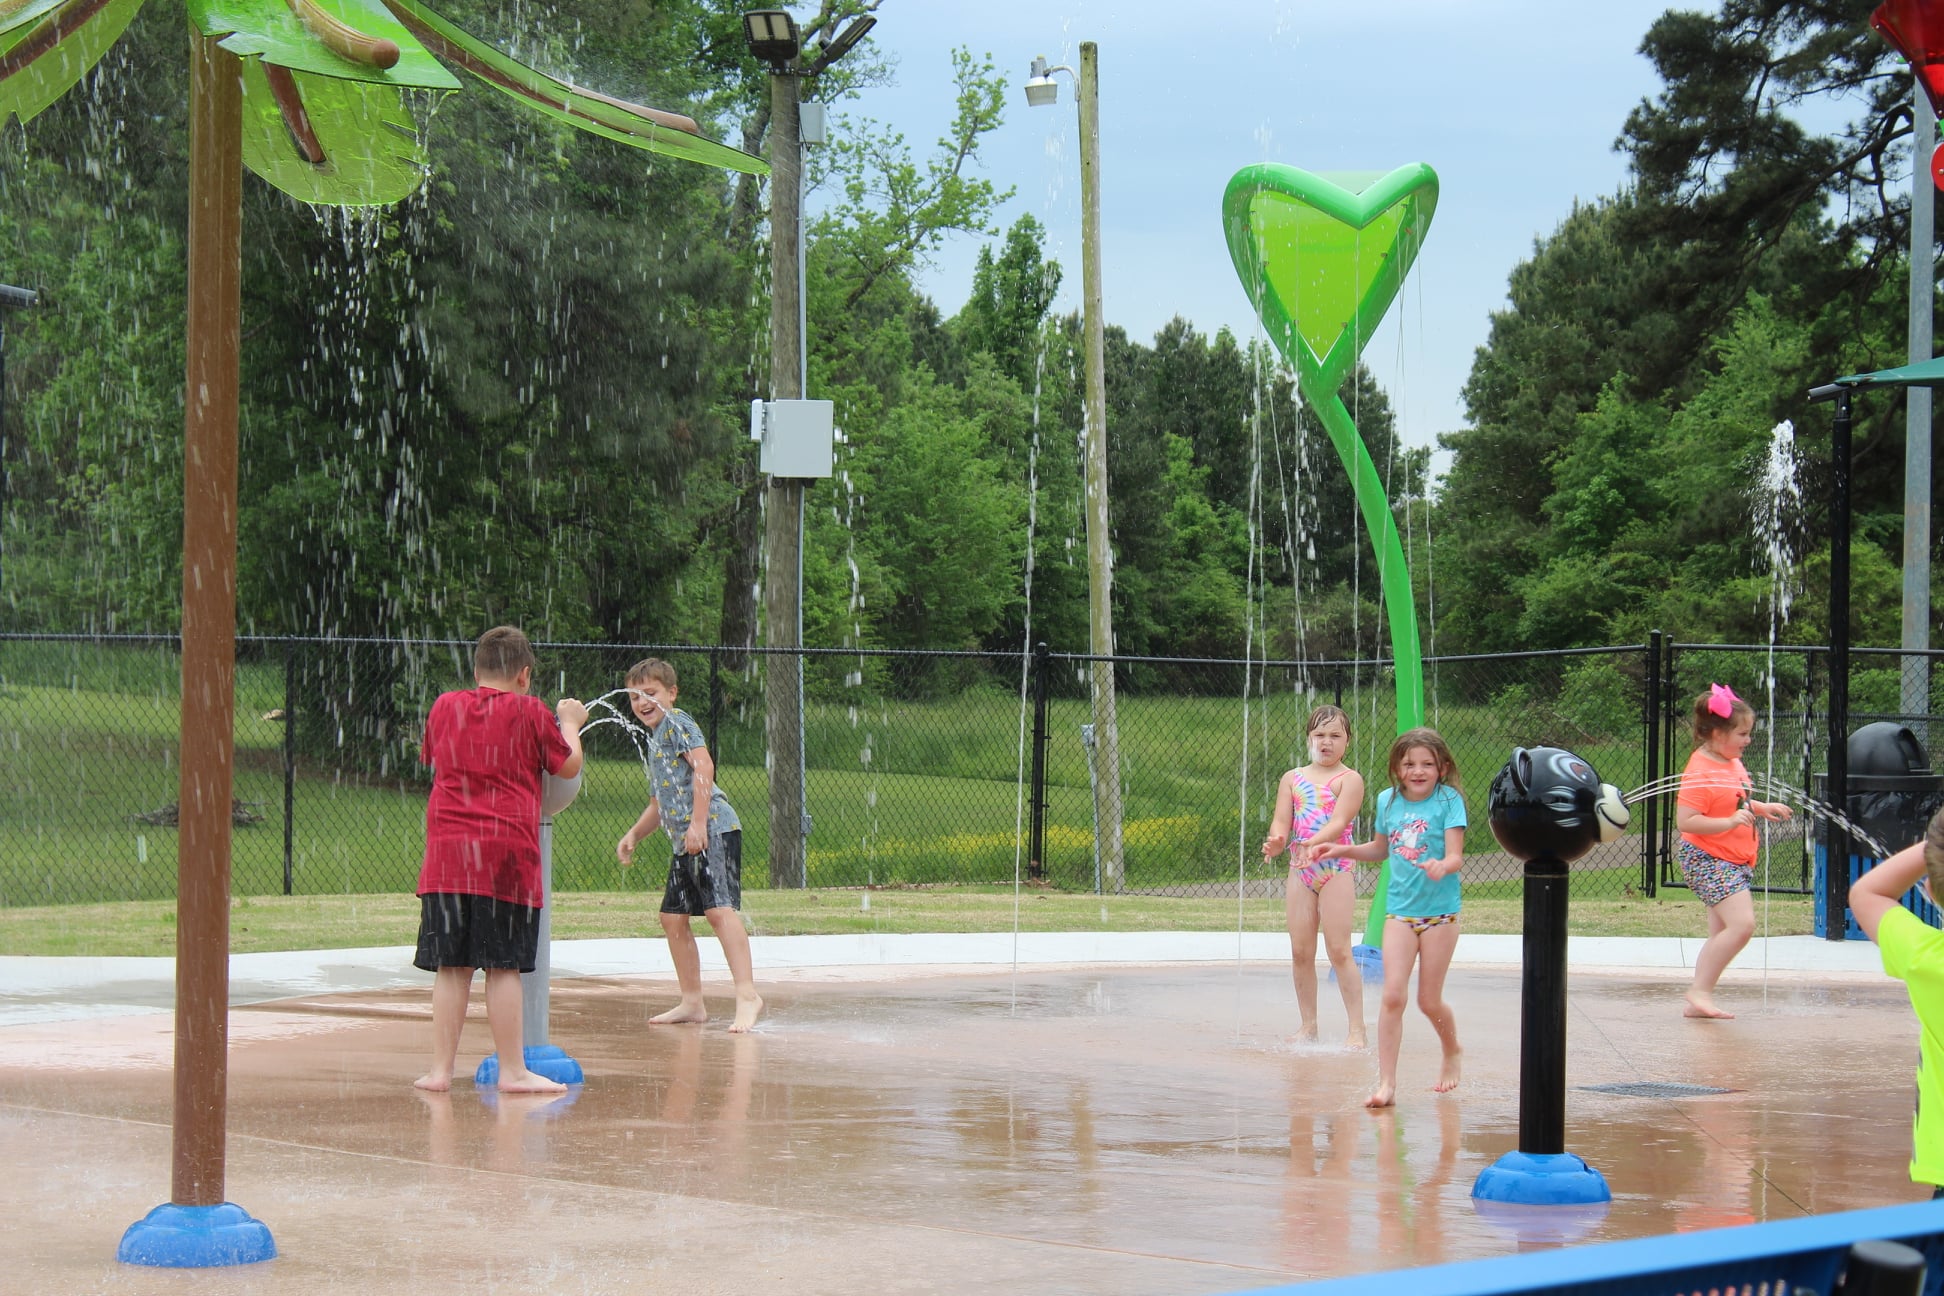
1011	295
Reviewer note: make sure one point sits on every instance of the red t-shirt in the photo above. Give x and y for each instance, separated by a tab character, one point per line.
482	822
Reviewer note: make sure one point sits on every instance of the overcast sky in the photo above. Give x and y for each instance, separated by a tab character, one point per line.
1515	104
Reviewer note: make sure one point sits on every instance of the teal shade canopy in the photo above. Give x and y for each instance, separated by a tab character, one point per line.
1924	373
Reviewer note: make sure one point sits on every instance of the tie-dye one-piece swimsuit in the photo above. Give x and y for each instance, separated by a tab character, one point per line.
1311	808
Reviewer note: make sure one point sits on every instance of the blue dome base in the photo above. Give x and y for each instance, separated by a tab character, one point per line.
1529	1179
196	1237
548	1060
1370	961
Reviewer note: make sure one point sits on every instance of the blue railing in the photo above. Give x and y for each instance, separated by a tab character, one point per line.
1776	1259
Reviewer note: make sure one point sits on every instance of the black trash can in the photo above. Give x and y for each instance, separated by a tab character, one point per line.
1892	795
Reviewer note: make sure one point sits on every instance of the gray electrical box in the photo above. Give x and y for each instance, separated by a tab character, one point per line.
795	434
811	128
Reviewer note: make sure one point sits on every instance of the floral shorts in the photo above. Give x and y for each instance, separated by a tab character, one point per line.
1714	880
1317	874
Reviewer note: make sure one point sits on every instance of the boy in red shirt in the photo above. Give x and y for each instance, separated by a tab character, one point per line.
480	889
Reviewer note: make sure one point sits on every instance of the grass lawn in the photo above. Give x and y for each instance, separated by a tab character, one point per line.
147	927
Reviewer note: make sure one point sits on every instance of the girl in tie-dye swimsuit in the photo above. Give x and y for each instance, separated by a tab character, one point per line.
1314	805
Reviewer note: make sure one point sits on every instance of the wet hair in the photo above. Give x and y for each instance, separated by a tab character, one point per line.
1323	715
1707	724
502	653
652	668
1431	741
1934	855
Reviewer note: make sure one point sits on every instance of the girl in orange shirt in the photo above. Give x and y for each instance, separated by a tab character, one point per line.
1716	817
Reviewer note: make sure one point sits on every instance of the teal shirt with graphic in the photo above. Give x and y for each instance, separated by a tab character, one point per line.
1416	831
674	779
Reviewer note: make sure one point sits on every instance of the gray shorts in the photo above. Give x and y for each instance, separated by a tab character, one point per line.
712	880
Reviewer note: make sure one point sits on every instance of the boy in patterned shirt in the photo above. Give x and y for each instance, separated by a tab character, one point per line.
705	873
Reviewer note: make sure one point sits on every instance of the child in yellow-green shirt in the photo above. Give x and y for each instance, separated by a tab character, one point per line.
1913	952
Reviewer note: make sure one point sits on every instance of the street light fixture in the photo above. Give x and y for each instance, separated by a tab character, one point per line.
841	44
1042	90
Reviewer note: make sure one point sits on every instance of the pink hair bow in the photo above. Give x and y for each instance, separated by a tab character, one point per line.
1721	700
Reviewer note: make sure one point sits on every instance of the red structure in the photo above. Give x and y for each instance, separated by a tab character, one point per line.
1915	28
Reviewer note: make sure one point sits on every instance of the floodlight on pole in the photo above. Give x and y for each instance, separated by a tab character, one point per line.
772	36
774	39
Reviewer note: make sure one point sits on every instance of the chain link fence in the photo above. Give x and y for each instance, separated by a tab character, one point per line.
922	769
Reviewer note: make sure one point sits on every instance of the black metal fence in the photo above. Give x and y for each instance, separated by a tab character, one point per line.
921	768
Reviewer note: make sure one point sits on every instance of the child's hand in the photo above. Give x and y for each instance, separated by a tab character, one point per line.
1275	844
571	712
1314	850
1774	810
1437	870
625	848
696	840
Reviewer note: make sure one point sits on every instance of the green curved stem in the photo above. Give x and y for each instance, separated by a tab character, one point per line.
1401	610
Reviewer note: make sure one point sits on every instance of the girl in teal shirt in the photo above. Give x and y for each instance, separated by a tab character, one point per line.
1420	829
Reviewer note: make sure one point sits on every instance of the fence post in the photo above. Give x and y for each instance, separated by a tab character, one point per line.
1036	804
289	757
1808	764
1650	768
715	699
1664	822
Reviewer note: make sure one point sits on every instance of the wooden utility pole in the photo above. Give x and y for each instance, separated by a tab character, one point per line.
1100	550
783	500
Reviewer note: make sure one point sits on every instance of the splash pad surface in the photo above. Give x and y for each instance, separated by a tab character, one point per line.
942	1127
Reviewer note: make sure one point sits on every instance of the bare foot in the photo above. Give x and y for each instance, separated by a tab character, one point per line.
527	1082
1306	1033
1705	1008
1356	1042
748	1009
1449	1072
433	1082
680	1014
1382	1096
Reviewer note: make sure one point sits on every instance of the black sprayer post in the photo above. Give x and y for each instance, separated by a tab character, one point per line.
1542	1010
1548	808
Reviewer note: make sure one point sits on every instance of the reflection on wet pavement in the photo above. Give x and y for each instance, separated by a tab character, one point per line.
1135	1130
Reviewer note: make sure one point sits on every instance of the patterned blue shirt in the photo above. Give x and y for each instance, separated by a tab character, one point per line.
674	779
1416	832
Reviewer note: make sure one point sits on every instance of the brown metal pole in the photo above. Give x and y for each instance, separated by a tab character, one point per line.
208	622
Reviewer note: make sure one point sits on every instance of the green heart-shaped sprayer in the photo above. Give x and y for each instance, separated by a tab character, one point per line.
1322	257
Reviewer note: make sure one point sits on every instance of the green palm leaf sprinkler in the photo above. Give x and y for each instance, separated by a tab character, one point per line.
1322	259
311	95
